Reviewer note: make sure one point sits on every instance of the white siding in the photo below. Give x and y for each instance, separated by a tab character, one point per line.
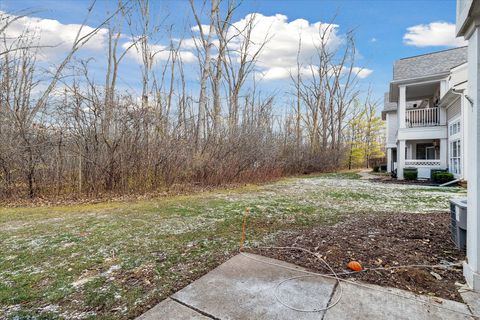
392	128
458	76
454	110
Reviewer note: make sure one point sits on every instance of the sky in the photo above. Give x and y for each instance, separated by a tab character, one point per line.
385	30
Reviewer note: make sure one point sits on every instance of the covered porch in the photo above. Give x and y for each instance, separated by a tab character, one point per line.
424	155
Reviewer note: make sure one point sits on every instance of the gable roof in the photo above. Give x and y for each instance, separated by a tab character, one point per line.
429	64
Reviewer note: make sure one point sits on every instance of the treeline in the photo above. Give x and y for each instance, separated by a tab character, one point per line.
64	132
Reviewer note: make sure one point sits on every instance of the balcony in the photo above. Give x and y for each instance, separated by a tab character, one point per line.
426	117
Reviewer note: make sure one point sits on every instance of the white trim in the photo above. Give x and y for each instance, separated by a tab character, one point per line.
414	81
455	124
455	162
417	133
455	121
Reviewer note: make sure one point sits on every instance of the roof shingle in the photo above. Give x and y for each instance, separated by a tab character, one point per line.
429	64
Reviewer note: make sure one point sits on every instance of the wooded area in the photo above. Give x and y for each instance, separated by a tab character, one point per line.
64	132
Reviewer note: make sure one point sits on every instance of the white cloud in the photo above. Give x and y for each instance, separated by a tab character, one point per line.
275	73
276	61
56	38
278	58
49	32
433	34
189	43
284	37
280	73
362	73
160	52
205	28
373	40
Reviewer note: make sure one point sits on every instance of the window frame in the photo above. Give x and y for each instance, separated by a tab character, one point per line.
455	146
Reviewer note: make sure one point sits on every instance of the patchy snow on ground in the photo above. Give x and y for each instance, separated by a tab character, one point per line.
115	260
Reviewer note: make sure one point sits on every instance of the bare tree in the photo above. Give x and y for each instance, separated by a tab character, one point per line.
206	44
75	131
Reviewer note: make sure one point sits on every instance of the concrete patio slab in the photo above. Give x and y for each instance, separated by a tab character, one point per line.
243	288
472	299
169	309
373	302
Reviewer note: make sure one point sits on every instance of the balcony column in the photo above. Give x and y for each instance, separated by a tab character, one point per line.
389	160
400	159
443	87
444	153
443	111
410	150
402	106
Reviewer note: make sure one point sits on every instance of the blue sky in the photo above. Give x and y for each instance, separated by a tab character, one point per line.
379	26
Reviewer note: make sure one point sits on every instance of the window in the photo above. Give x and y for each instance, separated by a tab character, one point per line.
425	151
454	133
455	152
454	128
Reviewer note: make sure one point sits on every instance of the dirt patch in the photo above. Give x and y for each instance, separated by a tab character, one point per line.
143	276
385	240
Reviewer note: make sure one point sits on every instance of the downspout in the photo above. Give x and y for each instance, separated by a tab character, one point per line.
449	183
460	93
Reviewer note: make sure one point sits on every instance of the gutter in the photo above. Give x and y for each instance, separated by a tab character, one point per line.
447	98
461	93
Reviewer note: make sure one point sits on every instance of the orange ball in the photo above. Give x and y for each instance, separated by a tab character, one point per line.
355	266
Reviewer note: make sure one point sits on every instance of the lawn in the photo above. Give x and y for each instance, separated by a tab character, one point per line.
114	260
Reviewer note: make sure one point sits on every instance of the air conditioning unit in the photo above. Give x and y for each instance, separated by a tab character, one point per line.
458	226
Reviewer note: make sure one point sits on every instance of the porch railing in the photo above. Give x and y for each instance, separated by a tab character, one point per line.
425	117
422	163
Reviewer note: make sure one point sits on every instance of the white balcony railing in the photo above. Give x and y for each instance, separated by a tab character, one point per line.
425	117
422	163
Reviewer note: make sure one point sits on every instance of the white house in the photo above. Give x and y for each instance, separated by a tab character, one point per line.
468	26
425	114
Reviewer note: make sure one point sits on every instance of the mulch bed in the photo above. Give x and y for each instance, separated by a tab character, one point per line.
382	241
408	182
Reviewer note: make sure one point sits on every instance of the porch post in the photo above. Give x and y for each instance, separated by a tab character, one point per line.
389	159
402	106
471	268
444	153
443	111
410	150
401	159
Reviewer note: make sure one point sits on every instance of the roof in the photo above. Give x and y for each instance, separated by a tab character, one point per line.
429	64
387	104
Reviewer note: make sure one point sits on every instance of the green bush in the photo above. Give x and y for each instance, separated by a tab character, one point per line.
443	177
435	171
410	174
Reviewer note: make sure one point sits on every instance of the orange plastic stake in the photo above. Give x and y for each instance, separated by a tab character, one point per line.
243	228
